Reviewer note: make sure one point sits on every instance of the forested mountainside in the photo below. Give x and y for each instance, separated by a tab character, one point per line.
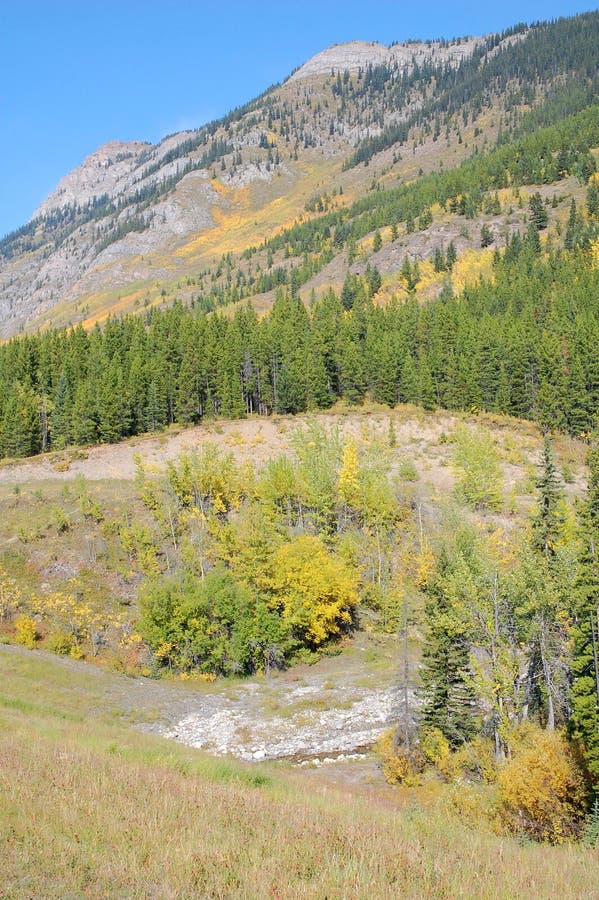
190	217
521	338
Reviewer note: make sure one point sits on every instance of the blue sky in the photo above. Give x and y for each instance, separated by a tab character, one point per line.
78	73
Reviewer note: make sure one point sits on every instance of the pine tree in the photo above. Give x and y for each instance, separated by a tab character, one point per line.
538	213
584	722
445	685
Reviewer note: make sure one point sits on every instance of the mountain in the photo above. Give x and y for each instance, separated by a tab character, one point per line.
144	224
419	226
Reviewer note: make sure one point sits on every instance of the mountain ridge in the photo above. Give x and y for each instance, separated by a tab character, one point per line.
138	220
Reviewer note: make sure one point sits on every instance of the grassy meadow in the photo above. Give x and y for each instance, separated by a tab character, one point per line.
92	807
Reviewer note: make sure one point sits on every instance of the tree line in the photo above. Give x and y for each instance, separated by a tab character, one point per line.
523	343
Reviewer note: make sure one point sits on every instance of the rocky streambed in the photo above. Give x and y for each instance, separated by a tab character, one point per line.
309	724
333	710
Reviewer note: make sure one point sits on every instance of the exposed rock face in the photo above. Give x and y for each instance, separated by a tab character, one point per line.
105	171
360	54
120	218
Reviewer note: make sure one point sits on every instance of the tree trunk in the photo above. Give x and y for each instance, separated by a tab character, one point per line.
547	677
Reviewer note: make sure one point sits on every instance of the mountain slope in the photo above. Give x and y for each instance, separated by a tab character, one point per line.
135	223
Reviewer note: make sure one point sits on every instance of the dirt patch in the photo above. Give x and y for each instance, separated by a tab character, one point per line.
257	439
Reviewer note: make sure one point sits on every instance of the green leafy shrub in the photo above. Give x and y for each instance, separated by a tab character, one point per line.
479	476
213	625
60	642
407	470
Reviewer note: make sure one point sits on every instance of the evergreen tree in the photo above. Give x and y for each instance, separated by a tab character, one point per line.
62	414
20	432
545	585
451	256
538	213
574	228
409	382
445	684
84	422
584	720
486	236
547	524
427	396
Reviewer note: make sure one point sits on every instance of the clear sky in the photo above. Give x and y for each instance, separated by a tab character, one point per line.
78	73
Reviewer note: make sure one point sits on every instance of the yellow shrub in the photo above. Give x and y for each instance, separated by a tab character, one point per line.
542	790
26	631
474	803
399	766
434	746
317	590
474	760
9	596
425	565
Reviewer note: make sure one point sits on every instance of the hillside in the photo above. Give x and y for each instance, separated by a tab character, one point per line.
92	803
139	225
66	531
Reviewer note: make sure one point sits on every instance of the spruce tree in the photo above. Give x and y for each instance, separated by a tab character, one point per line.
446	693
486	236
538	213
545	590
584	721
547	523
61	415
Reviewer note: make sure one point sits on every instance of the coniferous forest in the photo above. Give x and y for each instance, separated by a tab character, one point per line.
524	343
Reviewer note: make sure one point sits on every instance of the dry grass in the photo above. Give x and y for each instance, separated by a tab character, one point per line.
91	808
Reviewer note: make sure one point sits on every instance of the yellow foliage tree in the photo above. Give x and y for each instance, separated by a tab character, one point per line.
349	484
76	615
316	590
9	596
